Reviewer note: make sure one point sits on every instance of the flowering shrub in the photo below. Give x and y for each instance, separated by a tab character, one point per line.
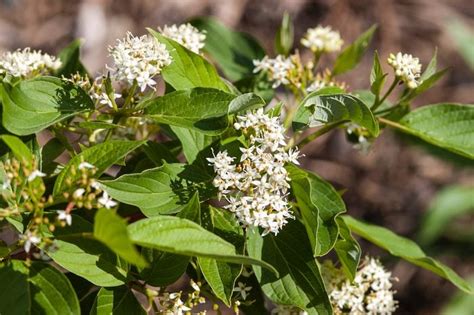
114	187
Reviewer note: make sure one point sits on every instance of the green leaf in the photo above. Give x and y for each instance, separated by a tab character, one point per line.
78	252
69	57
18	148
319	204
183	237
33	105
300	283
233	51
405	249
40	289
102	156
188	69
431	68
201	109
450	126
460	304
245	102
285	36
14	288
351	55
451	202
51	291
117	301
165	268
192	142
317	110
159	152
155	191
347	249
111	230
222	276
377	76
425	85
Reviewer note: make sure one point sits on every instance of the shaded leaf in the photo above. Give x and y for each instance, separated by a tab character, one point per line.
117	301
405	249
33	105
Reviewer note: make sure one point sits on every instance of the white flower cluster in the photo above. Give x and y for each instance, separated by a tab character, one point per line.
407	68
25	63
173	304
140	59
278	69
256	188
186	35
322	39
288	310
371	292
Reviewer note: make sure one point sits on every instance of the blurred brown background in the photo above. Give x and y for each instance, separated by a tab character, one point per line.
393	184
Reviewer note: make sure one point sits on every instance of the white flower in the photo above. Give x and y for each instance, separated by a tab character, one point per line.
35	174
30	239
256	188
140	59
278	69
78	193
106	201
316	85
370	293
6	184
65	217
322	39
186	35
26	62
85	165
407	68
242	289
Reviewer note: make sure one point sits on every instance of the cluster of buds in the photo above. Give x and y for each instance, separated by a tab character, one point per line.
95	88
86	191
176	303
322	39
323	80
22	185
407	68
370	293
359	136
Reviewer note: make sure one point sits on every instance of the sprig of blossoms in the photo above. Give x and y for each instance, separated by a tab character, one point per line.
279	69
322	39
407	68
256	187
186	35
172	303
139	59
370	293
28	63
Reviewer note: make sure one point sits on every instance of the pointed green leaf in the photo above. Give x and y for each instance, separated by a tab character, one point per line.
222	276
450	126
351	55
18	148
192	142
347	249
377	76
78	252
300	283
285	36
188	69
117	301
70	58
102	156
201	109
181	236
111	230
317	110
405	249
319	204
154	191
33	105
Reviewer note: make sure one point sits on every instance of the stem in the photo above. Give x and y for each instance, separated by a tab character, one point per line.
389	91
116	119
128	100
387	110
394	125
319	132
